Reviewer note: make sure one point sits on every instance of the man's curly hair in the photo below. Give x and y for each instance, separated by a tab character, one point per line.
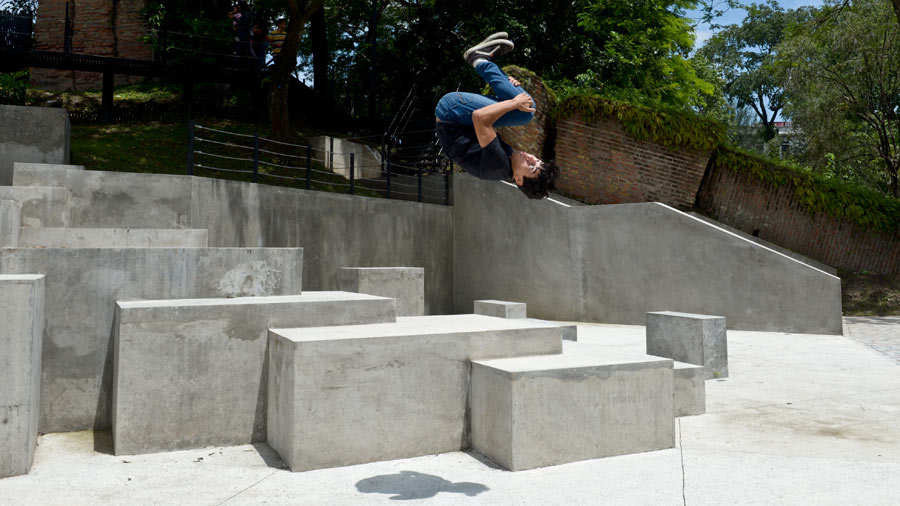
539	187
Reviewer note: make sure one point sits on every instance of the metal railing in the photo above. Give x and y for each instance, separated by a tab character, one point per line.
253	157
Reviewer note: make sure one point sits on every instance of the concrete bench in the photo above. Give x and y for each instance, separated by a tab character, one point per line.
589	402
191	373
405	284
21	334
363	393
692	338
501	308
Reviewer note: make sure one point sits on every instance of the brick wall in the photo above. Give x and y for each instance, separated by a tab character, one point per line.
772	214
100	27
601	164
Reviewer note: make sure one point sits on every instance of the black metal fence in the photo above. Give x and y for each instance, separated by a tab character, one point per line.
363	171
16	31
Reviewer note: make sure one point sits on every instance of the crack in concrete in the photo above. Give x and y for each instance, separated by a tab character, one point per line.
249	487
681	454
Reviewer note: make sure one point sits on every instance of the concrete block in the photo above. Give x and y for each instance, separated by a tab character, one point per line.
363	393
10	220
569	330
42	206
193	373
501	309
692	338
32	134
22	307
689	389
43	237
586	403
405	284
83	286
116	199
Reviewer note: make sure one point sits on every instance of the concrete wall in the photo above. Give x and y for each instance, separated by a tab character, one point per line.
334	230
22	307
614	263
32	134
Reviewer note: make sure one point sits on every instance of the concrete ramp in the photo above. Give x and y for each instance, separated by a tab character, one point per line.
614	263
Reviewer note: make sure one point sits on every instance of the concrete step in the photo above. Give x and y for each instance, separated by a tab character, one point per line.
82	286
363	393
115	199
193	373
689	389
42	206
588	402
111	238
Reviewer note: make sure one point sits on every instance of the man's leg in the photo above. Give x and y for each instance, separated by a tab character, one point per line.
458	106
503	90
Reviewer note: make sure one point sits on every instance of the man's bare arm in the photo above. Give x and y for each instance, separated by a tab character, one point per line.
483	119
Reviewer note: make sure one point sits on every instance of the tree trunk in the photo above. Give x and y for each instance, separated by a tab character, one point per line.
320	54
300	11
897	12
372	42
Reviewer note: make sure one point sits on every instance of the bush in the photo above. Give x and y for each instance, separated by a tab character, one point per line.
14	87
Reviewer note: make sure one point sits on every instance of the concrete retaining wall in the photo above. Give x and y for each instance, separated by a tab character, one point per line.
614	263
82	288
334	230
32	134
22	309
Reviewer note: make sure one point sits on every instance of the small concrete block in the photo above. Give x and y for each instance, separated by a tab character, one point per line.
364	393
10	219
192	373
692	338
405	284
586	403
21	338
689	389
501	309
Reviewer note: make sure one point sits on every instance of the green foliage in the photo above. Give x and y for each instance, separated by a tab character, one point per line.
670	127
817	194
14	87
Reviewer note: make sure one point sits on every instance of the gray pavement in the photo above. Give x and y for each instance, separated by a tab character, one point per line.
880	333
802	419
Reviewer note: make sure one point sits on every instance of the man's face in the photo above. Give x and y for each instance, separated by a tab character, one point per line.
525	165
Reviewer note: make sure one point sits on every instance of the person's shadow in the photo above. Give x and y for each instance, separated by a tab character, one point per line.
407	485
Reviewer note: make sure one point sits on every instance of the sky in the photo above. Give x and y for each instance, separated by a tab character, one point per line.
734	16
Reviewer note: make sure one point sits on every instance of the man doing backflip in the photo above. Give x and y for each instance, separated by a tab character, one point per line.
466	124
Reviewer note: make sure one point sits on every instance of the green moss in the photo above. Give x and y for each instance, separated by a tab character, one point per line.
530	82
814	192
668	127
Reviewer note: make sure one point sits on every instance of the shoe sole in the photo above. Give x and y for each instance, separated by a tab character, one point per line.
503	45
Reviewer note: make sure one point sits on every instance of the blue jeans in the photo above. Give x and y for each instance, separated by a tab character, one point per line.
458	106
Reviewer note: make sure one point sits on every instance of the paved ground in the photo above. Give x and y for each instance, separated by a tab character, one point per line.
880	333
802	419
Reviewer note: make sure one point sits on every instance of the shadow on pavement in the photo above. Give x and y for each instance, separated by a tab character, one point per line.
407	485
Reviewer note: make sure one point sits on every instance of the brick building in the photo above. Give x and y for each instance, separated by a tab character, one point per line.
99	27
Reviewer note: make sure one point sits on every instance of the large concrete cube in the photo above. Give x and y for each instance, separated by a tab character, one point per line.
692	338
22	308
587	403
32	134
405	284
501	308
689	389
193	373
83	286
363	393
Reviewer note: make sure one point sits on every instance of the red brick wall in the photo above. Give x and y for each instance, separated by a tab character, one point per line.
772	214
100	27
600	164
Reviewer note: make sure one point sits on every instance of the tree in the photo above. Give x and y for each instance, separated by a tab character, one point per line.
299	13
842	78
744	56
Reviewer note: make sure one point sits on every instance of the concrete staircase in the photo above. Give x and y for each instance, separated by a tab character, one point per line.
176	345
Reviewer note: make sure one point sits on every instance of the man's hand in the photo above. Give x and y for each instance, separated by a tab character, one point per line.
523	102
513	81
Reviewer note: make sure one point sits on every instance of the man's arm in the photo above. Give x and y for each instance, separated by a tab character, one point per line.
483	119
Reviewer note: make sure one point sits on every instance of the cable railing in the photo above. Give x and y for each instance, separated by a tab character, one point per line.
256	158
